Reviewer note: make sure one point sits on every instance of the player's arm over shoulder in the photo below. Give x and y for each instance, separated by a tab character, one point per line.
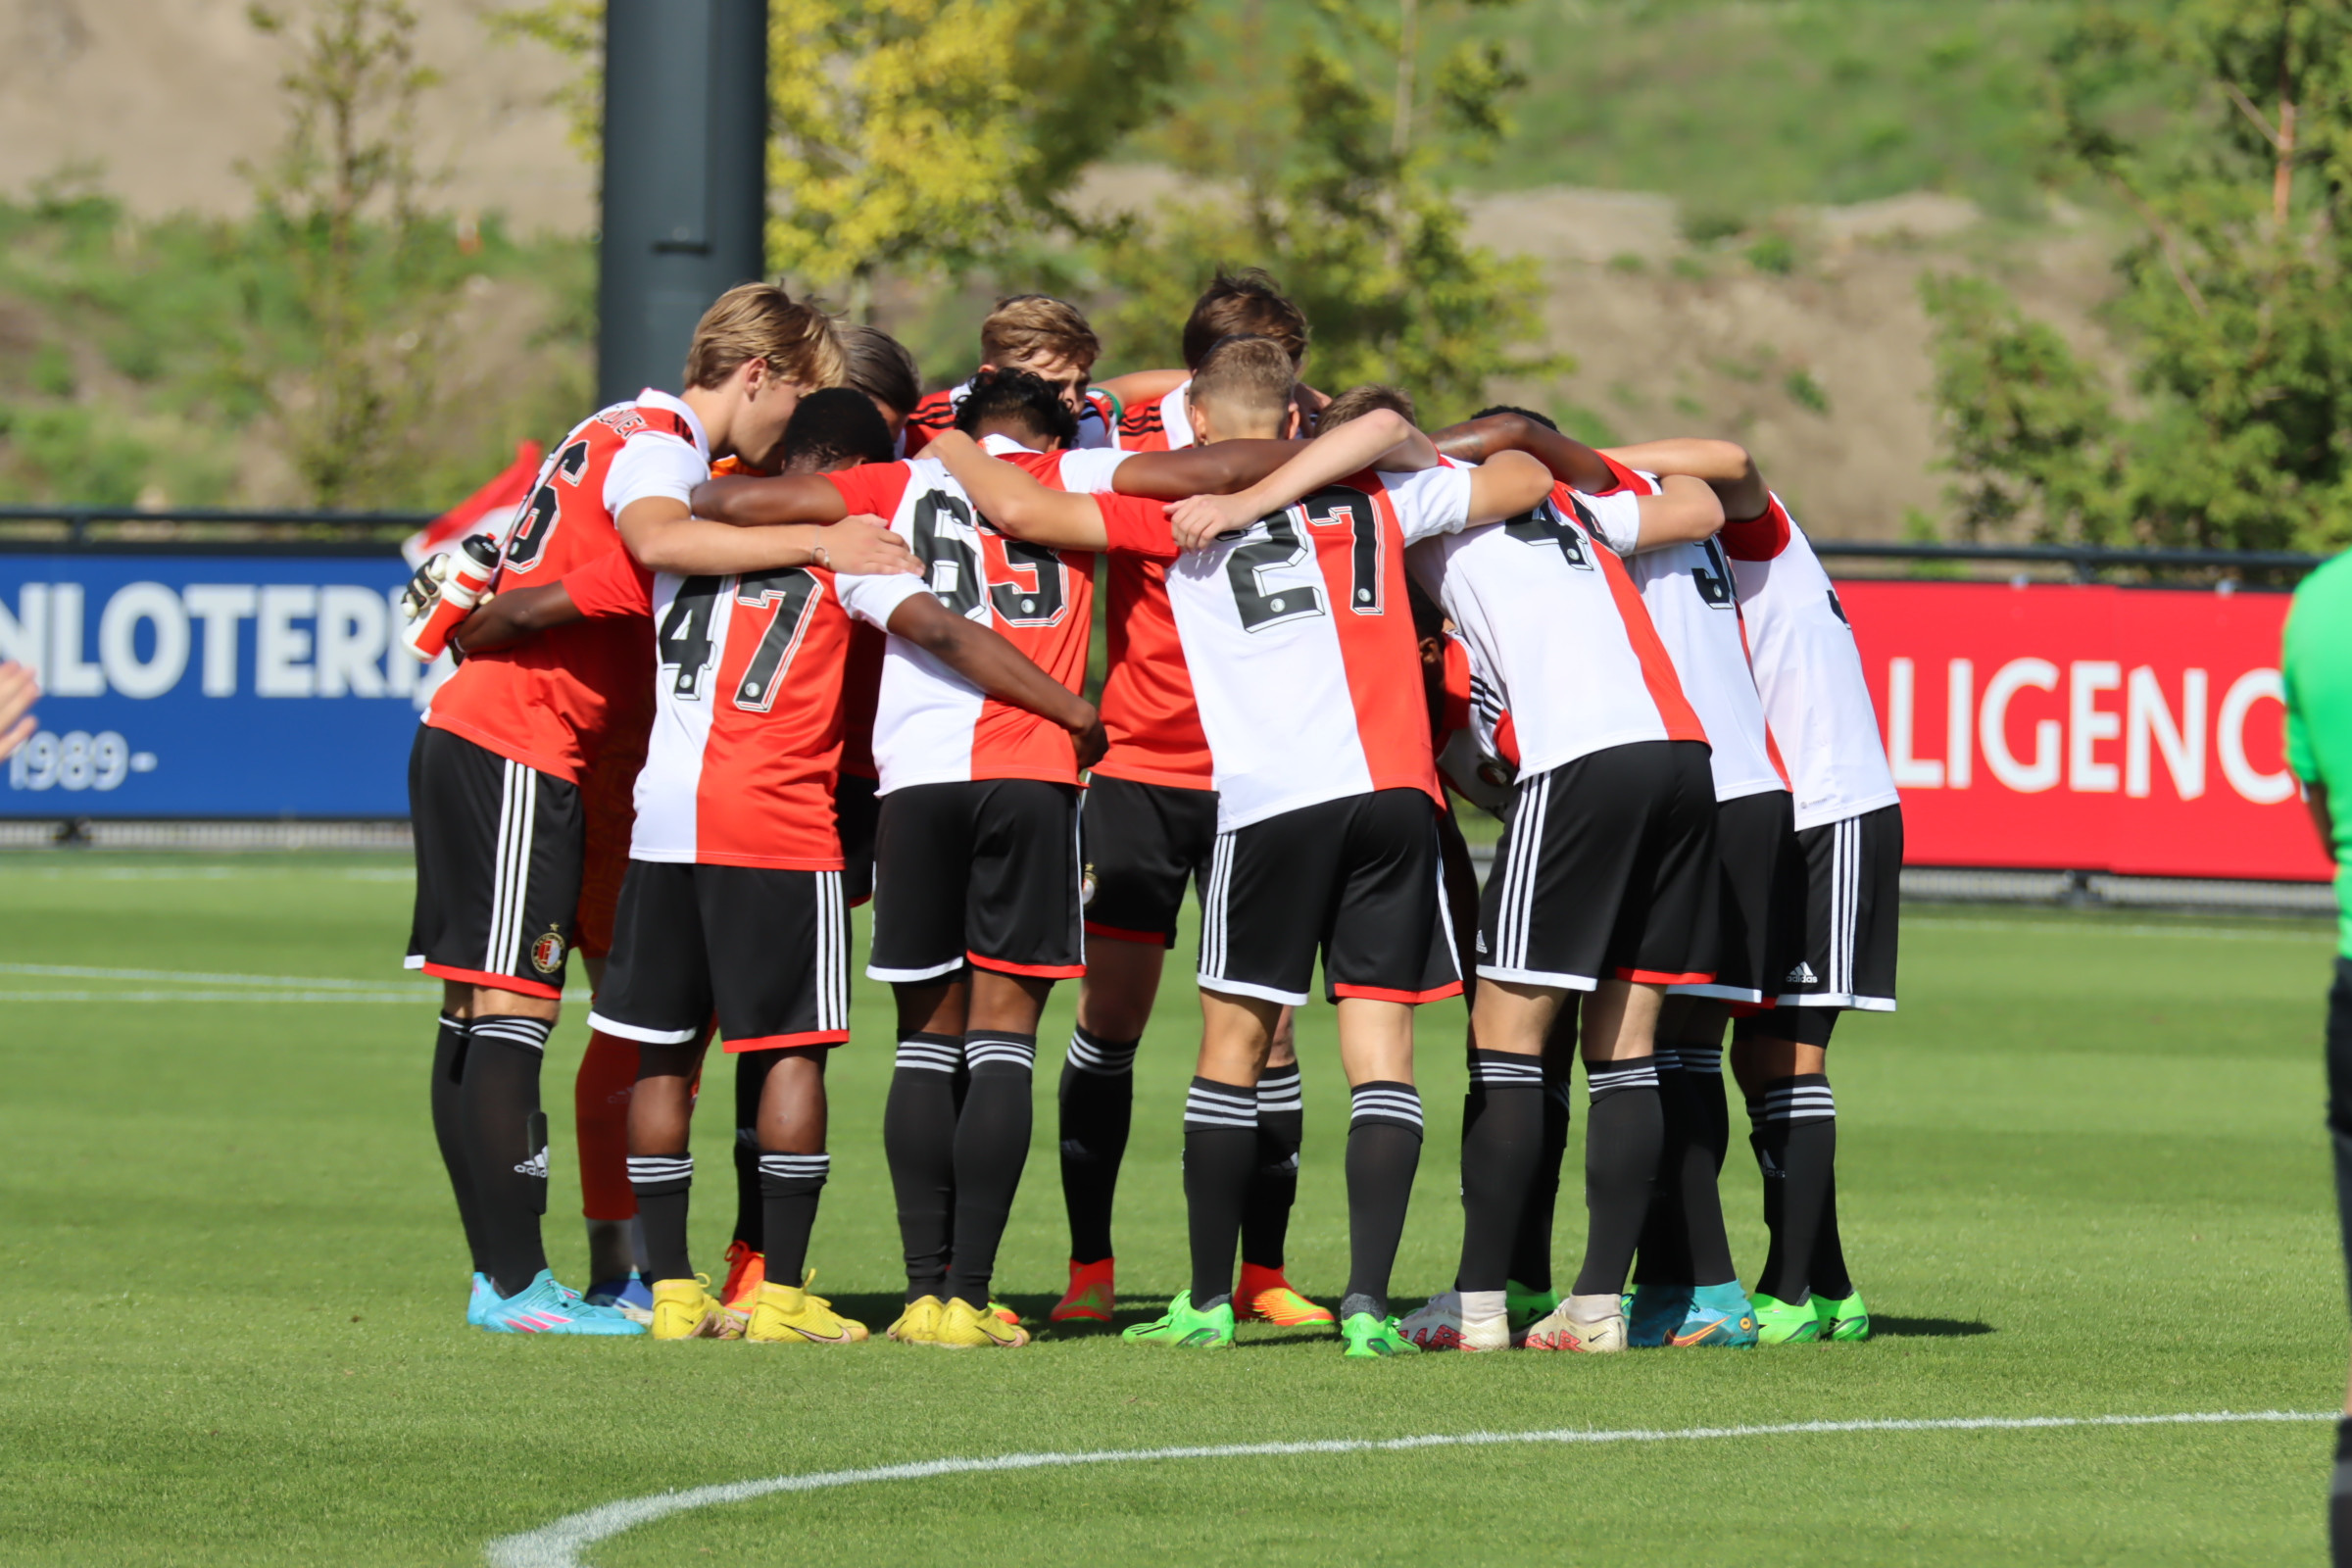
1215	470
1725	466
746	501
1012	500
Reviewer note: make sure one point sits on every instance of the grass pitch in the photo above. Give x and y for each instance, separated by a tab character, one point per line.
2083	1172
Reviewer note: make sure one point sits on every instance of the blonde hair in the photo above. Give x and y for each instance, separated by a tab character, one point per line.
1251	375
1026	327
759	321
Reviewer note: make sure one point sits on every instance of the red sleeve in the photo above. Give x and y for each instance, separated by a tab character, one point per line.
874	487
934	413
1759	538
1136	525
1627	478
612	584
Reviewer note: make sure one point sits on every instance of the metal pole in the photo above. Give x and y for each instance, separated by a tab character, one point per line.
685	177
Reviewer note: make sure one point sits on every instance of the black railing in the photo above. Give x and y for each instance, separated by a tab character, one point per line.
204	530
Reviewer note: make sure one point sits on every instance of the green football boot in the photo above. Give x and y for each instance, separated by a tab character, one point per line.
1525	1306
1370	1337
1779	1323
1848	1319
1211	1330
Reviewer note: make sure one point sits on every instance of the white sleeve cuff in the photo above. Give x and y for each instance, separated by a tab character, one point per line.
875	599
652	463
1617	518
1087	471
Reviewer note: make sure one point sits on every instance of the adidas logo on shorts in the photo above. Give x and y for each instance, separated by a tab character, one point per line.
1802	975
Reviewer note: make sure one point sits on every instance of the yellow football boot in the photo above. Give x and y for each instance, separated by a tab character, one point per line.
685	1309
788	1314
966	1327
919	1323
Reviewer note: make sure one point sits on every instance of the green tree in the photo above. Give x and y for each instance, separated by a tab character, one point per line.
915	135
2236	309
373	274
1334	177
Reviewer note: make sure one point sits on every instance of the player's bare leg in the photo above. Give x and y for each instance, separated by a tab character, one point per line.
918	1127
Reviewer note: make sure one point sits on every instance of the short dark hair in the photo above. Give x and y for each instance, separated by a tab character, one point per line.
879	365
1019	397
1544	419
1358	401
836	428
1244	303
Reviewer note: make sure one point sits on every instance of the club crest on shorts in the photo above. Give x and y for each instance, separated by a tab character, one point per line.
547	954
1086	887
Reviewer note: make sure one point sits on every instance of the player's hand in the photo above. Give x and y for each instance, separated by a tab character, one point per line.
864	546
1089	740
1203	520
18	692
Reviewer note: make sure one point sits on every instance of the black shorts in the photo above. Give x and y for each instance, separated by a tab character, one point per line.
1143	844
1760	896
984	872
1845	954
1356	878
766	949
855	809
1607	870
499	852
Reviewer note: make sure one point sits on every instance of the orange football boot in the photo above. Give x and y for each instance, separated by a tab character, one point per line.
747	1271
1266	1297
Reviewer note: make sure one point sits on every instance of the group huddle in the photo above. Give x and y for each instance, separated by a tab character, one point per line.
801	636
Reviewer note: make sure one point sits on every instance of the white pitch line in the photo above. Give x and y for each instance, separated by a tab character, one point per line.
2090	928
406	999
193	977
559	1545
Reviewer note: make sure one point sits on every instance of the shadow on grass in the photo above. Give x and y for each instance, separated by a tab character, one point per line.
1927	1327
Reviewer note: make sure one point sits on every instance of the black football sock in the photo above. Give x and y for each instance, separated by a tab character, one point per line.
919	1138
1664	1255
1384	1151
1220	1158
992	1145
1097	1101
449	1130
752	1068
1797	1137
1274	1189
1708	1124
2339	1499
1830	1277
1531	1248
789	1184
1621	1167
505	1143
663	1183
1502	1139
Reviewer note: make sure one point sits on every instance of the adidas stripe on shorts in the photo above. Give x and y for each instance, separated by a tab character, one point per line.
766	949
1845	955
499	855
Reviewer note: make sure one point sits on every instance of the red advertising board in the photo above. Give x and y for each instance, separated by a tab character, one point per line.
2086	729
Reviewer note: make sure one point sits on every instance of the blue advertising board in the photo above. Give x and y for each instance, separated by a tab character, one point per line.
211	686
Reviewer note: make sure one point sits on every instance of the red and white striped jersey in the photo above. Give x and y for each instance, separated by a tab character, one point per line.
558	703
931	725
1688	591
1097	421
1163	425
749	702
1299	639
1565	659
1808	671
